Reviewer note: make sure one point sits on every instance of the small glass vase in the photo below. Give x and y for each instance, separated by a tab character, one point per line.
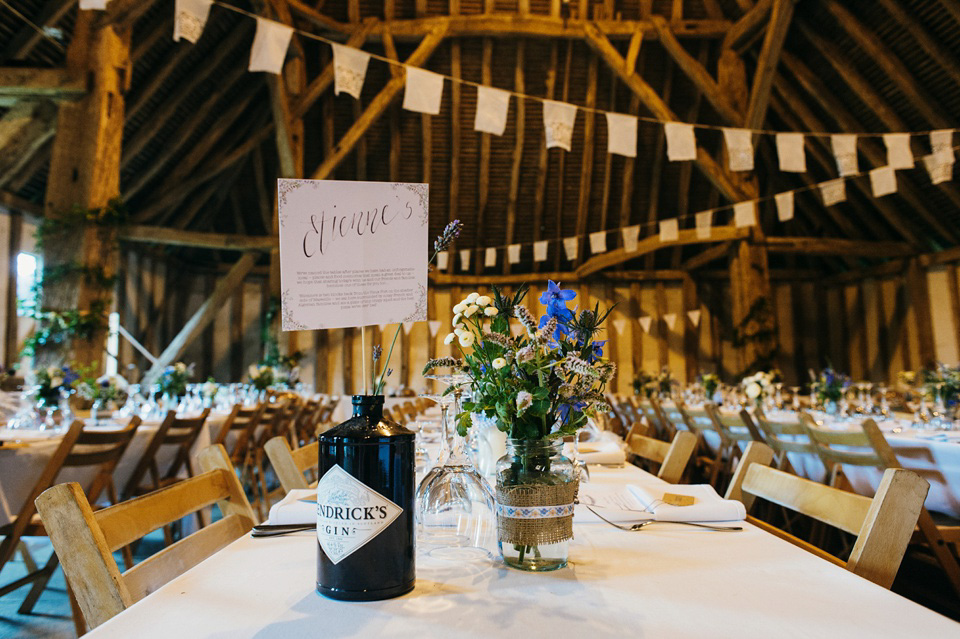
97	409
536	490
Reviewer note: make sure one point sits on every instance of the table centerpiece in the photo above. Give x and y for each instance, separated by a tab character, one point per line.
540	386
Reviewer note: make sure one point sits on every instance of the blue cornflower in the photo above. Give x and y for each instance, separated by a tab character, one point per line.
556	296
563	412
597	352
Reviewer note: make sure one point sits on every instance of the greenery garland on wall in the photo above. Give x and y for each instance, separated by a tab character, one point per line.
55	328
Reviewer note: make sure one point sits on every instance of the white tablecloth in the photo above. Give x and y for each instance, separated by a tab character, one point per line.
20	467
665	581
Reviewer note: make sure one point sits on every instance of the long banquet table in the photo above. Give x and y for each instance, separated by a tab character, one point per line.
665	581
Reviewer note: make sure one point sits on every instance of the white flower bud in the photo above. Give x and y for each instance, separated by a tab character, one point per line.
472	297
490	311
466	339
449	338
499	363
483	300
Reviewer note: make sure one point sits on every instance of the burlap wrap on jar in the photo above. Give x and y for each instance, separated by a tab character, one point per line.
535	514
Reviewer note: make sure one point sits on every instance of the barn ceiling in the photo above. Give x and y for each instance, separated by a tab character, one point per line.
200	154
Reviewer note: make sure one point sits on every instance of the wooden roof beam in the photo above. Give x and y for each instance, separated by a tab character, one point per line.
776	35
26	83
24	130
838	246
23	42
747	30
166	236
377	107
716	174
122	14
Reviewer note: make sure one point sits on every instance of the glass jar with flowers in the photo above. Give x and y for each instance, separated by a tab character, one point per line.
262	377
540	385
829	387
105	392
760	386
173	384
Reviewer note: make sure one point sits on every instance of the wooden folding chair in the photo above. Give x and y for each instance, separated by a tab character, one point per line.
883	525
99	450
243	423
290	465
868	447
673	457
783	437
85	540
711	463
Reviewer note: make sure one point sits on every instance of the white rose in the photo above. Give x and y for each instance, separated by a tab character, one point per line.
499	363
449	338
253	371
466	339
490	311
457	318
483	300
181	367
753	390
472	297
471	310
459	308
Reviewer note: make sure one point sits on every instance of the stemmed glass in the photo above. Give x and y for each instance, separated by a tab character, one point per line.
795	403
455	504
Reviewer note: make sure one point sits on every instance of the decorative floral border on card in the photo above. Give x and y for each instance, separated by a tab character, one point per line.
419	313
288	186
286	316
422	193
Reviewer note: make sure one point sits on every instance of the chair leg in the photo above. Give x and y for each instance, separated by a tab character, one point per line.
941	549
39	585
27	557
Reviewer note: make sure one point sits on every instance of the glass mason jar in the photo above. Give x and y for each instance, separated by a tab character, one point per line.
536	489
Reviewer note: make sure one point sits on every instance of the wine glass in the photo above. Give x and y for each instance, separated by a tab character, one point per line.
795	400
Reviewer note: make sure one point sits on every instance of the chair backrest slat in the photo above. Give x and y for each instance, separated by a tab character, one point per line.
291	464
673	457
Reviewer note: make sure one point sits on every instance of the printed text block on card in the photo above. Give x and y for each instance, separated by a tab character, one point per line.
352	253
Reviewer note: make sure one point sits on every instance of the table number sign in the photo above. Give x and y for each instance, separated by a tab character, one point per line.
352	253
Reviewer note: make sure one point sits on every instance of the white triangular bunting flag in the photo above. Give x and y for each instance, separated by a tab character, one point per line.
681	141
630	235
704	221
833	191
845	151
883	181
739	149
434	326
269	46
349	69
598	242
540	251
190	16
745	214
939	166
784	206
442	258
513	253
899	155
570	247
790	152
98	5
670	319
558	121
407	327
622	134
694	317
423	92
669	230
620	325
382	327
941	141
645	323
492	108
490	257
465	259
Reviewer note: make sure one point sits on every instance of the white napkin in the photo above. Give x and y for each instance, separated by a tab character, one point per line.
599	452
290	510
709	507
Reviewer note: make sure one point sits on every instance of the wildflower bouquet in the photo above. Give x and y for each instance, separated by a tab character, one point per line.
209	389
174	379
943	383
759	385
710	383
105	388
262	377
829	385
649	385
48	382
540	384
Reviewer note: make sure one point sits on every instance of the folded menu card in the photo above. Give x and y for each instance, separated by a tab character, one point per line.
299	506
707	506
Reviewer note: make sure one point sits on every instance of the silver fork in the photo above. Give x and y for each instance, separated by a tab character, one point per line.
642	524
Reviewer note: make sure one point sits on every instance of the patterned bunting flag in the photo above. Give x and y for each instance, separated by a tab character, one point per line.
681	141
620	325
784	206
739	149
490	257
540	251
622	134
790	152
513	253
745	214
669	230
883	181
704	222
558	120
190	17
349	69
464	259
598	242
434	327
442	258
570	247
845	151
833	191
939	166
670	319
630	235
270	46
899	154
423	92
645	323
941	141
98	5
492	108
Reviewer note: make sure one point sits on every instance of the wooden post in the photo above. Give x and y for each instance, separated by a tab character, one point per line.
920	300
85	172
753	318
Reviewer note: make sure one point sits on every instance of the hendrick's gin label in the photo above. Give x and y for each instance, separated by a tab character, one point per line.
365	506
